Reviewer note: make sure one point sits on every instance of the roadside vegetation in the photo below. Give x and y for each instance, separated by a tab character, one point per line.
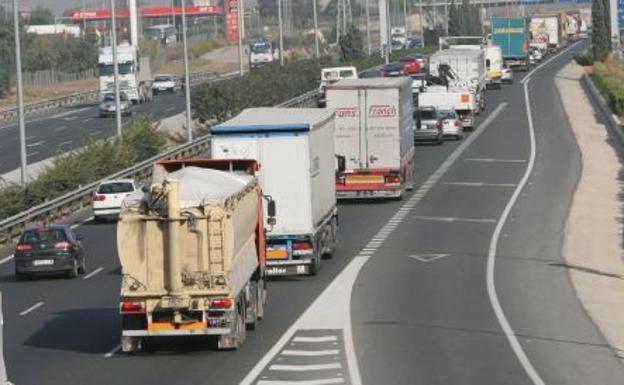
96	160
608	76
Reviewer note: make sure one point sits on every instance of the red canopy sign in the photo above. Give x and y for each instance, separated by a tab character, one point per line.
105	14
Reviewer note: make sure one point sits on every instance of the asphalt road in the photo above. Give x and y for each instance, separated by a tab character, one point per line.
419	309
64	130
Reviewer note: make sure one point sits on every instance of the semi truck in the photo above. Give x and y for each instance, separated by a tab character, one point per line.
192	252
135	74
374	137
511	34
554	24
539	35
295	150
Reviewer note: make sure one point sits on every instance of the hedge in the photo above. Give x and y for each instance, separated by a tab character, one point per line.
609	79
96	160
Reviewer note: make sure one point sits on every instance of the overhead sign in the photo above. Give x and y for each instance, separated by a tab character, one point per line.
231	19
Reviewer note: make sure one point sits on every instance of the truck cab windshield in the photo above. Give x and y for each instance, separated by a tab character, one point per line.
261	48
108	69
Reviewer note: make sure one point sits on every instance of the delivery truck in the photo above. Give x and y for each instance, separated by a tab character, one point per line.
494	66
374	137
192	252
295	150
511	34
442	98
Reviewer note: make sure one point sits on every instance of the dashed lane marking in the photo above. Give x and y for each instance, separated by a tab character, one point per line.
480	184
94	272
112	352
31	309
6	259
493	160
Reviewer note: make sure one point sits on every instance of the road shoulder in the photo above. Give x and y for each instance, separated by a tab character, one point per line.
593	247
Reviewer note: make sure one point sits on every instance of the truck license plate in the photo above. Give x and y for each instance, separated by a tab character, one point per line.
277	254
355	179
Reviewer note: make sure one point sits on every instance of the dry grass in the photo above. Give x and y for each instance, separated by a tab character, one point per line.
34	94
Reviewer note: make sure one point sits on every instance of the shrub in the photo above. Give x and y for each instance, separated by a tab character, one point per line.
609	79
584	59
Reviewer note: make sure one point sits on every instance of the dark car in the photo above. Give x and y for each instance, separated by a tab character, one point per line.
428	125
49	249
393	70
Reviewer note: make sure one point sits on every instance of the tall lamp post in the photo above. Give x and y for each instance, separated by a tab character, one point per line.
115	66
20	96
187	77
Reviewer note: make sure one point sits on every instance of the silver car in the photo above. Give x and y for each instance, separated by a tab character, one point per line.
506	74
451	124
108	107
427	125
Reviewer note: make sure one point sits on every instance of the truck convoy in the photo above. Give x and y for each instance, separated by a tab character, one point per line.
192	251
511	34
295	150
374	136
135	75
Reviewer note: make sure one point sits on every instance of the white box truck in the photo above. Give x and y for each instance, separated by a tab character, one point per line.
374	136
494	66
135	74
551	24
440	97
295	149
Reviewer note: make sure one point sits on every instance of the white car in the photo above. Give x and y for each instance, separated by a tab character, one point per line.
506	75
109	196
163	83
451	124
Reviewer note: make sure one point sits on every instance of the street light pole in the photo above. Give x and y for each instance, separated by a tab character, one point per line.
316	30
239	14
187	77
115	67
281	32
422	24
20	96
368	29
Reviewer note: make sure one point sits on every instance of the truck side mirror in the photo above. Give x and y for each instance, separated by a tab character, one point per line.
271	211
341	163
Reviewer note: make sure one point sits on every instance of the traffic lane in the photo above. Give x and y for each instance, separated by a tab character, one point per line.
562	341
68	130
288	298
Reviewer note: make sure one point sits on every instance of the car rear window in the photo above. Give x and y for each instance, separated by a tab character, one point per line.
447	114
428	114
115	188
44	235
163	78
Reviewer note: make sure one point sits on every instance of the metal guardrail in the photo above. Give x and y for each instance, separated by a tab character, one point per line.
70	203
92	96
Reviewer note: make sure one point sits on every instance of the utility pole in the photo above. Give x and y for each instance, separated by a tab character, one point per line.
383	30
405	19
187	76
281	32
20	96
115	66
239	14
368	30
422	24
316	30
615	30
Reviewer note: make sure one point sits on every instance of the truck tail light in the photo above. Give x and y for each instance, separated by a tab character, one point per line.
23	247
392	180
132	307
99	198
64	245
302	248
221	304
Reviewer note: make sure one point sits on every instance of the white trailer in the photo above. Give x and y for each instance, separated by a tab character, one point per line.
295	149
494	65
468	67
440	97
551	23
135	75
374	136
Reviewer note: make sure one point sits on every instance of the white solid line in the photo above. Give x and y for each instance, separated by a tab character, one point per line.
67	113
30	309
315	339
61	128
30	137
112	351
326	381
81	222
36	144
6	259
480	184
33	153
94	272
491	261
455	219
311	353
305	368
64	143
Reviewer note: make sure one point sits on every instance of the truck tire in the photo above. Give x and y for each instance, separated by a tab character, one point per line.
316	265
252	310
235	340
131	345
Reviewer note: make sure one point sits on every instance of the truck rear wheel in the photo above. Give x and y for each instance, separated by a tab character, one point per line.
131	344
235	340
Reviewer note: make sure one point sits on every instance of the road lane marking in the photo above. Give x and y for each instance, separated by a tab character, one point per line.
315	339
65	143
455	219
6	259
67	113
491	260
305	368
30	138
94	272
326	381
310	353
61	128
71	118
82	222
95	133
112	351
32	308
480	184
493	160
36	144
427	257
33	153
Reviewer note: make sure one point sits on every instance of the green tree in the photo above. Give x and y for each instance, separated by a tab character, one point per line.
41	16
352	44
7	61
601	42
454	23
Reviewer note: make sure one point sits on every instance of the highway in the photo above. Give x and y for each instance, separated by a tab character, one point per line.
455	284
54	133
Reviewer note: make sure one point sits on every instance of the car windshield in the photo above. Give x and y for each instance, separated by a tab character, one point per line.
428	114
163	78
43	235
447	114
111	97
116	188
261	48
